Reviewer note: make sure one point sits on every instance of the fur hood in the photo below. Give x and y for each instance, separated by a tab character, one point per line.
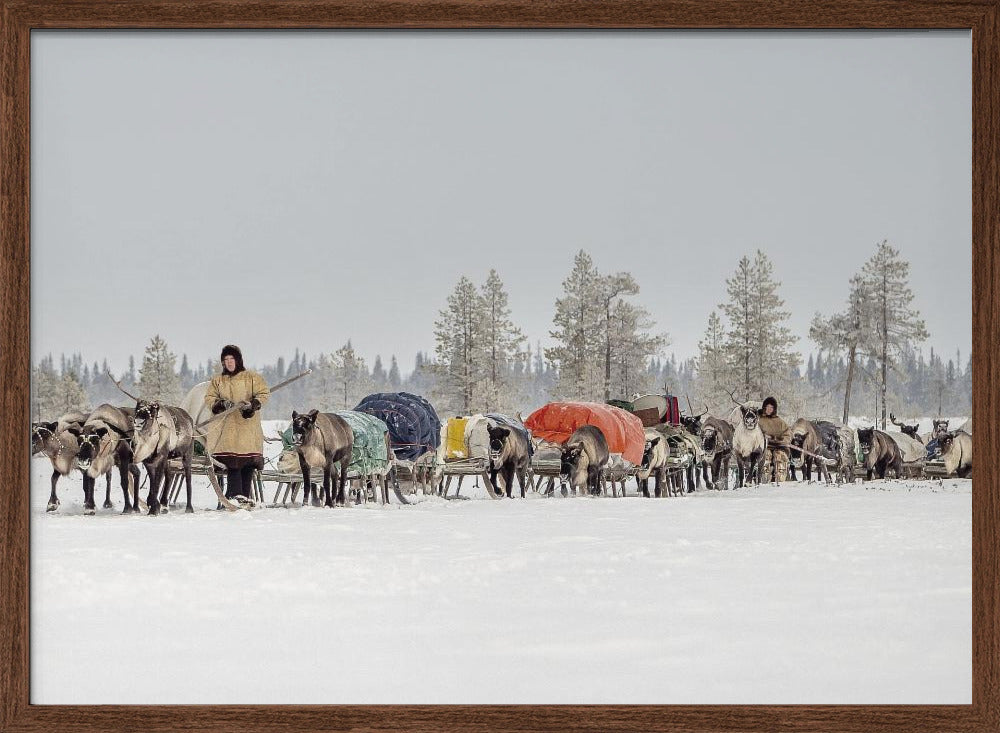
233	351
768	401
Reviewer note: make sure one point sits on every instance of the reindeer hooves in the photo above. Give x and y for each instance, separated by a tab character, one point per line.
52	506
89	511
108	505
153	511
189	510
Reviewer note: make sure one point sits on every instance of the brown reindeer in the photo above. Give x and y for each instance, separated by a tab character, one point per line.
584	455
162	432
880	452
805	450
510	456
59	442
956	452
653	463
105	442
323	440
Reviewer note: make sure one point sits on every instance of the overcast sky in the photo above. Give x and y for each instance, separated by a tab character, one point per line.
283	189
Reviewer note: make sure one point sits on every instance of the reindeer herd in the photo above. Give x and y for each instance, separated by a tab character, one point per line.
678	459
837	453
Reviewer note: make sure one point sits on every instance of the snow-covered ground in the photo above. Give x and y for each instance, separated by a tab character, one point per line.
791	594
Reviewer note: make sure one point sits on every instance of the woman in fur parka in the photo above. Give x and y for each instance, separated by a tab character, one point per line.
237	440
778	436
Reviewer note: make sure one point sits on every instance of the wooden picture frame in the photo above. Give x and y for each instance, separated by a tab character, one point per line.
20	17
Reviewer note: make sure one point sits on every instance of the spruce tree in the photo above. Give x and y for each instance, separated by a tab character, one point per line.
578	333
459	335
395	380
896	324
848	332
499	347
350	373
713	363
157	378
758	341
380	379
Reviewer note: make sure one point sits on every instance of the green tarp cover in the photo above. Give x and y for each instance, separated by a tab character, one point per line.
369	454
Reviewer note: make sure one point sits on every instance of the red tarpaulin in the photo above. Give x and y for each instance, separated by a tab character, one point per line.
556	421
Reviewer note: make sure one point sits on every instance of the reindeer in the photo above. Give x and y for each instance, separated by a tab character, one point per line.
880	452
699	466
956	452
749	444
654	463
717	445
584	456
510	455
323	439
59	442
105	442
162	432
837	447
910	430
806	447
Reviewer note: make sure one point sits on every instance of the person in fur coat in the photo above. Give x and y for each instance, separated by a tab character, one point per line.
778	436
237	440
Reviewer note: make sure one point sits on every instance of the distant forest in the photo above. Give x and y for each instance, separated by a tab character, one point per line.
866	359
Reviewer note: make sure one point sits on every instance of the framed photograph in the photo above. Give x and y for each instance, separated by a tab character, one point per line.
498	365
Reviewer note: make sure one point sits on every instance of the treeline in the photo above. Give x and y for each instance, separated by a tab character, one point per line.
604	344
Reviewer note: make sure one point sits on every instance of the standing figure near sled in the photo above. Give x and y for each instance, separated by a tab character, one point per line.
778	440
237	440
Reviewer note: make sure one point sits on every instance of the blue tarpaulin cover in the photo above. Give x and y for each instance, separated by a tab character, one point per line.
414	427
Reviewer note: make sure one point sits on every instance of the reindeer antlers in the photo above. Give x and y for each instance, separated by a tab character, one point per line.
119	386
732	395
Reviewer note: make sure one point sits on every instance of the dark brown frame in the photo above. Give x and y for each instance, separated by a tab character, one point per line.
19	17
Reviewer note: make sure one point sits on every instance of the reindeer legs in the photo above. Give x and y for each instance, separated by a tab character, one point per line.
88	495
155	472
53	499
124	475
188	458
107	493
342	492
328	490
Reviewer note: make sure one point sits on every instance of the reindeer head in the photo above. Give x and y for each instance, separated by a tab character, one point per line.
750	417
41	432
798	440
866	439
145	412
946	441
940	428
910	430
90	446
692	423
572	456
302	426
709	438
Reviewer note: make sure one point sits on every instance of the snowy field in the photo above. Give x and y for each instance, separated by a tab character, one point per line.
791	594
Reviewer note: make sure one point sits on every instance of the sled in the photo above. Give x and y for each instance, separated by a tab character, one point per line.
936	469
